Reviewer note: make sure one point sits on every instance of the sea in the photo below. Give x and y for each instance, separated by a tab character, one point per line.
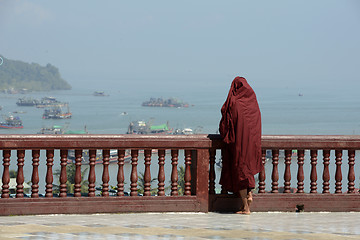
285	111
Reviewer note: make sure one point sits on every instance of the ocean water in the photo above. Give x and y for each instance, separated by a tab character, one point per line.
104	114
283	112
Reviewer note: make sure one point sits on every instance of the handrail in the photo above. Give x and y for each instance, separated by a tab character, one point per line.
91	141
311	141
30	141
302	141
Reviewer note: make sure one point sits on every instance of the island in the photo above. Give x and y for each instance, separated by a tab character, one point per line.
18	76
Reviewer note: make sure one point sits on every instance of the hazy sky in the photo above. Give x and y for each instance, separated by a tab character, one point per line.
292	44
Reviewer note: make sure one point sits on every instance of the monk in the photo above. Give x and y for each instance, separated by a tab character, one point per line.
240	129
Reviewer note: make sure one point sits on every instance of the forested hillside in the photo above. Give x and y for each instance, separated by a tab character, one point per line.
18	75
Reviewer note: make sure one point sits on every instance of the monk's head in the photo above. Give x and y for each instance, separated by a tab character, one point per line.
238	82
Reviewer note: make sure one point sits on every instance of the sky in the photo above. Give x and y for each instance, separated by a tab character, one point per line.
274	44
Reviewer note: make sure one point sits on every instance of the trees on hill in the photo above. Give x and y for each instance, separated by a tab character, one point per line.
18	75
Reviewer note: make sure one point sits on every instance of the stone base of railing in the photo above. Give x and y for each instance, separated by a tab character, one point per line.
288	202
219	203
83	205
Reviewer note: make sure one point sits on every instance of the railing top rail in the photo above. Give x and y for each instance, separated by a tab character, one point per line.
303	141
113	141
110	141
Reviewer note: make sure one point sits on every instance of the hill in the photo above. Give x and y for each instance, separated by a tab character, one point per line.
19	75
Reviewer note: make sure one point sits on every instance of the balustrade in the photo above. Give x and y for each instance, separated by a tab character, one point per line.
187	164
298	156
79	162
183	192
290	150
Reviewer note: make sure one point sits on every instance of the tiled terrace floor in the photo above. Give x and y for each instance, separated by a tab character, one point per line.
258	226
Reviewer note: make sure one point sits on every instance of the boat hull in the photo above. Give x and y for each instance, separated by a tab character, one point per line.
9	127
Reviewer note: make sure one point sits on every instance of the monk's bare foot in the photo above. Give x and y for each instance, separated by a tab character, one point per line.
243	212
249	198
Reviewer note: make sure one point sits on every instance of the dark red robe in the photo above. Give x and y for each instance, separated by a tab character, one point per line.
240	128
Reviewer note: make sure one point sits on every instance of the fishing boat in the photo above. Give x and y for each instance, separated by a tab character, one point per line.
188	131
159	102
57	112
55	129
11	122
185	131
142	127
100	94
28	102
47	102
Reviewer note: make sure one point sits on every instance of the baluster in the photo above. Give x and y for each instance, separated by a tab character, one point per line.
300	174
275	173
6	174
187	177
212	176
134	175
338	174
35	174
63	174
161	175
326	173
92	176
223	191
20	174
174	172
351	174
105	175
49	174
77	185
262	175
147	174
287	173
313	175
120	174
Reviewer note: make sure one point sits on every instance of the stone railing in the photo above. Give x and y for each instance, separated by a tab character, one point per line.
301	173
44	174
159	156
